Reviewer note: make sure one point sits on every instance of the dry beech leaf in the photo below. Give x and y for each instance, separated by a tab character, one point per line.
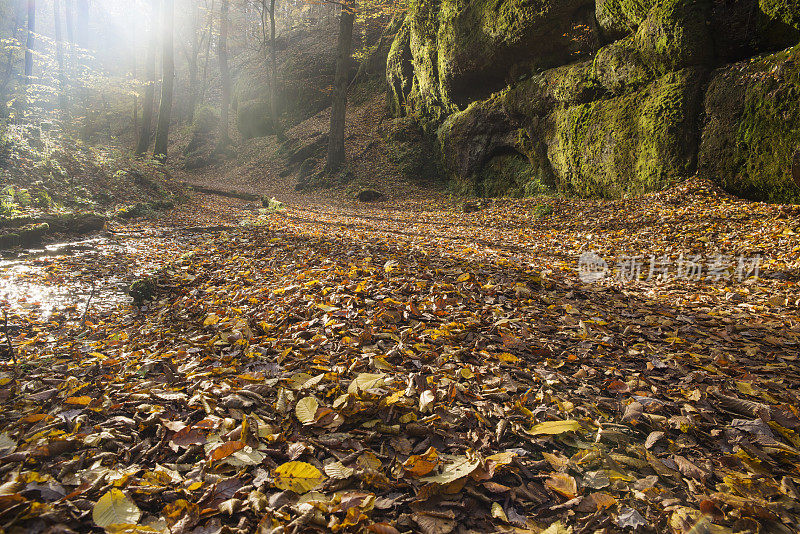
563	484
554	427
421	464
115	508
225	450
299	477
306	410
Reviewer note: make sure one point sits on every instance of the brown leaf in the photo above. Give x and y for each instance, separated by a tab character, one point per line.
225	450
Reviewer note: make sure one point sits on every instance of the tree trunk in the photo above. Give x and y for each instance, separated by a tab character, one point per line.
68	9
193	53
208	53
134	69
225	74
146	133
273	89
30	45
336	154
62	76
82	34
167	81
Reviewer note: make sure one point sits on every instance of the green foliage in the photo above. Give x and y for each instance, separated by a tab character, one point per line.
272	204
541	211
8	206
41	199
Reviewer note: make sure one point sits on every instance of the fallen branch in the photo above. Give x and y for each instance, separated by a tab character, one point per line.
223	192
88	303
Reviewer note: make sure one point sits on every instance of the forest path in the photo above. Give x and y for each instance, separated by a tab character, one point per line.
430	370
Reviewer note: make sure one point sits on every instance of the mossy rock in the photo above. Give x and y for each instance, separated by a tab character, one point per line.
254	119
143	209
618	67
485	44
399	71
206	121
572	84
621	17
494	148
639	142
143	290
411	150
370	195
26	235
751	131
511	174
780	23
676	35
203	131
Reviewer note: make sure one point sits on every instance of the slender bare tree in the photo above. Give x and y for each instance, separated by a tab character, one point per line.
167	80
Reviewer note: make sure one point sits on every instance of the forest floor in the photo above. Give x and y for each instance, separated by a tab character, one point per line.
404	366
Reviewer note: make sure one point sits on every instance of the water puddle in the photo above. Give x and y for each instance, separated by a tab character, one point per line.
61	278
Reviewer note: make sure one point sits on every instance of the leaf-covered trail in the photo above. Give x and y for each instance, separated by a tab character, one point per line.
409	368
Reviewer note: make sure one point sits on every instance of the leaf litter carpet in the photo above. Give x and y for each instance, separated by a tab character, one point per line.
410	368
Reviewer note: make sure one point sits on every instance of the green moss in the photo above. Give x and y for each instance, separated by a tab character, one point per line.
780	26
425	97
618	67
399	71
571	84
510	174
620	17
675	35
753	127
628	145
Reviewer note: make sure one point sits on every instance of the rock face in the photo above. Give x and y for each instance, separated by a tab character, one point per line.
751	129
600	98
796	167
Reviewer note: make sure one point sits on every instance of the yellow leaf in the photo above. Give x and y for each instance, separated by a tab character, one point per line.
299	477
306	410
467	373
211	319
131	529
115	508
79	401
498	512
746	388
554	427
507	357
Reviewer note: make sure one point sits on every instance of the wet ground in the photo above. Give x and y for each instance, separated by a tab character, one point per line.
91	275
